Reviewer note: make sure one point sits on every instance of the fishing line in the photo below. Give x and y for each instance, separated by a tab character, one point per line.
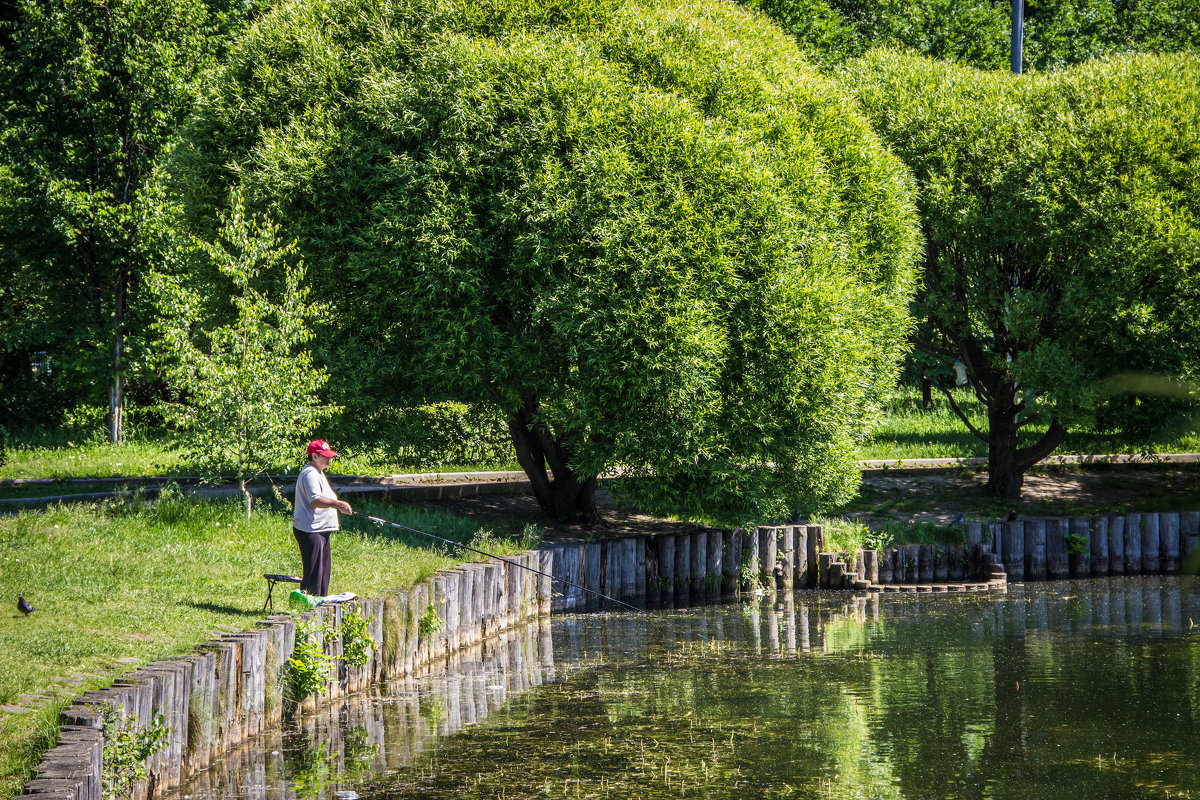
451	542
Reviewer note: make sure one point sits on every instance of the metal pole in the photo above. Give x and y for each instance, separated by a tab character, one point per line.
1018	35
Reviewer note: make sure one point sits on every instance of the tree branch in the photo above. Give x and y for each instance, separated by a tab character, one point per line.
1032	419
1026	457
958	412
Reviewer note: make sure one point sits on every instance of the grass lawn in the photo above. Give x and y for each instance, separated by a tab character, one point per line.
63	455
140	581
906	431
909	431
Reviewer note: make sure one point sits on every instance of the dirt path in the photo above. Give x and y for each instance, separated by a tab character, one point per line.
941	496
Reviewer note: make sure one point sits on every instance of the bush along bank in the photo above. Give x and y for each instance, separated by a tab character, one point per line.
190	710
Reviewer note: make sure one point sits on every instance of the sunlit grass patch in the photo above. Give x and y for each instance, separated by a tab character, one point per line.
141	580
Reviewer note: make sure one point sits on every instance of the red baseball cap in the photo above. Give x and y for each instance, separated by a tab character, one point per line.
321	448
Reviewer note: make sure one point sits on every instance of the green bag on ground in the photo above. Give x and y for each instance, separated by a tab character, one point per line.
298	600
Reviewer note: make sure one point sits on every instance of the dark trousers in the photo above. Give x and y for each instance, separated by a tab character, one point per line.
314	552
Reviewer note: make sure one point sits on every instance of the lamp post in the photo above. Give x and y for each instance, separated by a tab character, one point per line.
1018	35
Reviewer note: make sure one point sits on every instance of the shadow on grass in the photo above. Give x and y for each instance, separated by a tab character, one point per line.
218	608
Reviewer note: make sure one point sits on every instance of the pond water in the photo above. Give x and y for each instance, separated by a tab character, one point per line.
1083	689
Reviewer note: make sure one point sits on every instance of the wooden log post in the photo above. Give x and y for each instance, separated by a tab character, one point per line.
1168	531
957	559
941	564
1057	565
768	553
1035	550
1189	535
666	566
824	561
787	557
1013	534
699	564
731	562
871	566
886	561
816	544
1133	544
837	572
714	554
994	539
545	590
653	577
925	563
683	569
1079	547
1099	545
611	579
592	554
974	534
800	557
1116	544
912	563
1151	545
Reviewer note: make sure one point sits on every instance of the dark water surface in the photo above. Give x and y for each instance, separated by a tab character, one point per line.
1083	689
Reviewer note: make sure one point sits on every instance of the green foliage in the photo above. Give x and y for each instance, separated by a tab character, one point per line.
648	233
1062	229
430	623
428	436
309	666
879	539
843	535
91	93
1077	543
249	388
978	32
357	644
126	748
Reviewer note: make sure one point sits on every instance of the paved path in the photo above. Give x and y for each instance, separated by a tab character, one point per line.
451	485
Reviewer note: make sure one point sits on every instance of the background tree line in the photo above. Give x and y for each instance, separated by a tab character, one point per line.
599	221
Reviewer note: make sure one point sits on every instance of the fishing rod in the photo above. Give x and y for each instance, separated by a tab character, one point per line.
452	543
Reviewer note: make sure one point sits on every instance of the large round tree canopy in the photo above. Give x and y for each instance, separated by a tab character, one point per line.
649	233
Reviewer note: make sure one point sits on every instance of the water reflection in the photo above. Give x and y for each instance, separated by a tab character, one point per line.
1077	689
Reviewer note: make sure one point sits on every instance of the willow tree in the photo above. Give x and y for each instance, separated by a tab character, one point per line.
1062	229
649	233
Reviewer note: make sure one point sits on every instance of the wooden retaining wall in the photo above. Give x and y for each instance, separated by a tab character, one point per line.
232	687
1055	548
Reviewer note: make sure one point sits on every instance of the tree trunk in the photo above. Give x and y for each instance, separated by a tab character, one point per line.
246	500
561	492
116	390
1008	463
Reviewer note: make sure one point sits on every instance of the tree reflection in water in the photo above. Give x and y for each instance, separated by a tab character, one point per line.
1080	689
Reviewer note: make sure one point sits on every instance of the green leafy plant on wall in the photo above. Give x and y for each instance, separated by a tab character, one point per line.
357	644
126	749
430	623
309	666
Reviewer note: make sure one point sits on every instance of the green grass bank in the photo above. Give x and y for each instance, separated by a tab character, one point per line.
127	583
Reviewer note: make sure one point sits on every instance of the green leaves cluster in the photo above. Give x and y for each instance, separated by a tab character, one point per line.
309	665
650	228
357	644
90	94
248	383
977	33
126	748
1062	223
